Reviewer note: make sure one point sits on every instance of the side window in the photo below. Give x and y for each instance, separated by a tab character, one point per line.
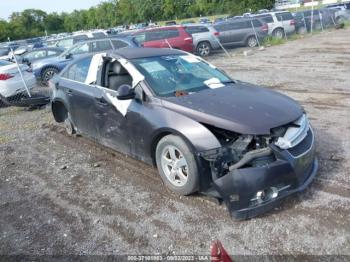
203	29
51	52
66	43
80	49
155	35
140	38
284	16
36	54
78	71
256	23
119	44
170	33
192	29
101	46
266	18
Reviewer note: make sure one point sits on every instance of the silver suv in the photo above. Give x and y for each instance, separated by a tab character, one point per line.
279	23
204	38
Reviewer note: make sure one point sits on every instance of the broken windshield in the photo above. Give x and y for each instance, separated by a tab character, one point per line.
168	75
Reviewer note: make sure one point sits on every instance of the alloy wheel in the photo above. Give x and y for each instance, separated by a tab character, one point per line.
203	49
174	166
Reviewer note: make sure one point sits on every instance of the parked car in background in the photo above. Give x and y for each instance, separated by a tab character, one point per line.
170	23
246	145
40	53
68	42
5	48
318	19
45	69
279	23
188	22
204	20
166	37
205	38
342	11
11	83
219	20
241	32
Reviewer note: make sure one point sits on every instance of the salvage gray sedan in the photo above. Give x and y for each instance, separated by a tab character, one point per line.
205	132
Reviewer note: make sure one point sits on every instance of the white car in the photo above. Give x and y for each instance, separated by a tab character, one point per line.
11	82
279	23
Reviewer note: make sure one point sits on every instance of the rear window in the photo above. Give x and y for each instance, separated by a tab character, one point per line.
266	18
284	16
196	29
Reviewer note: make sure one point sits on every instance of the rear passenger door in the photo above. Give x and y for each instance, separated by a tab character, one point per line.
238	31
224	30
172	36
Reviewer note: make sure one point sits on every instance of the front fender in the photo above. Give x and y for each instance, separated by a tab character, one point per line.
196	135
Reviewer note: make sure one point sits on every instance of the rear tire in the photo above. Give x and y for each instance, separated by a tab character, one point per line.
177	165
252	42
203	49
278	33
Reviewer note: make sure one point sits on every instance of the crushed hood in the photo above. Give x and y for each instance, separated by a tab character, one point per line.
240	107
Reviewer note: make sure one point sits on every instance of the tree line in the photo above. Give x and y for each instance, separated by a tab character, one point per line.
34	22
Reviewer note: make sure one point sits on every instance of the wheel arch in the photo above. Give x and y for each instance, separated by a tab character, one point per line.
160	134
46	67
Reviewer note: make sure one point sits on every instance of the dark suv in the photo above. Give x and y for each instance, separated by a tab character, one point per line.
166	37
243	32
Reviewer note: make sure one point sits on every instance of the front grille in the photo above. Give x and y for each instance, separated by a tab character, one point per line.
303	146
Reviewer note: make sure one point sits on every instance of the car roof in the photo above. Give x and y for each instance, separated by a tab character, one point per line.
132	53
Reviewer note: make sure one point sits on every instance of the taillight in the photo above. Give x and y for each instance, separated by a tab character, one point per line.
292	22
188	39
216	33
5	76
265	28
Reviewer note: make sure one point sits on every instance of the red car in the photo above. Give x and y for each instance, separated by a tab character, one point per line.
166	37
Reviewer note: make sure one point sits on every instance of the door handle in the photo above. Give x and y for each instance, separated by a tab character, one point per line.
101	101
69	92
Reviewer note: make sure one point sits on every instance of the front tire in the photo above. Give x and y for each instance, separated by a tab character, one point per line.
48	73
203	49
177	165
69	125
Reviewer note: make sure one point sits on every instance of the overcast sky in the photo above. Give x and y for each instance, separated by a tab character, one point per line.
9	6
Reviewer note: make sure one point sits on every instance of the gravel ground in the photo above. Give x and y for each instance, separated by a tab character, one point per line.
68	195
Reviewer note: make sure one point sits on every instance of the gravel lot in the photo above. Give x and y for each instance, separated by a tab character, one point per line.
68	195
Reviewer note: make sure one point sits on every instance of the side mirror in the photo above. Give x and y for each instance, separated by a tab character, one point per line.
125	92
25	61
69	56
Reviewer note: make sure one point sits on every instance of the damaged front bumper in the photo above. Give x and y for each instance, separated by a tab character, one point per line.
251	191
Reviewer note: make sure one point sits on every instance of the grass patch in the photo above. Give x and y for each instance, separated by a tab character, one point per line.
347	24
4	140
272	41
